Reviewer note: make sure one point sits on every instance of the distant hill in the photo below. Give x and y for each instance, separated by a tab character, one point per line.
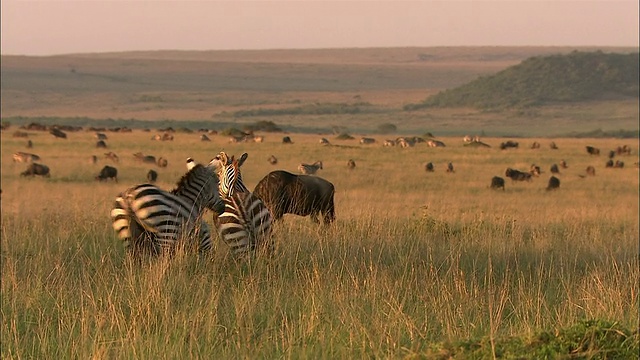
573	77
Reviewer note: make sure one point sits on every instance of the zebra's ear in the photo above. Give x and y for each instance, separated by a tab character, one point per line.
242	159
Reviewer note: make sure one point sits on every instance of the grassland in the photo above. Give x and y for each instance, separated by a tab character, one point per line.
205	89
417	265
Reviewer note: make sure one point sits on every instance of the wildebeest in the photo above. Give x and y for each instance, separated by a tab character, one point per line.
152	176
609	163
25	157
351	164
517	175
101	144
509	144
287	140
272	160
591	171
162	162
100	136
450	168
624	149
619	164
612	154
554	183
112	156
147	159
535	145
310	169
204	137
286	193
58	133
592	150
29	144
167	137
108	172
497	182
554	169
553	146
36	169
428	167
366	140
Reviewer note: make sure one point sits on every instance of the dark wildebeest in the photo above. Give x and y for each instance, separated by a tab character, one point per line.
204	137
612	154
101	144
509	144
286	193
272	160
287	140
609	164
152	176
618	164
428	167
36	169
58	133
591	171
535	145
592	151
29	144
517	175
497	182
554	183
351	164
101	136
450	168
554	169
108	172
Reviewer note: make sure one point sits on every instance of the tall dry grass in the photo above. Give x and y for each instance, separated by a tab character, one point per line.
413	259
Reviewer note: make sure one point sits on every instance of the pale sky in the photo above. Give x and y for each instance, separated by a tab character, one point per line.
48	27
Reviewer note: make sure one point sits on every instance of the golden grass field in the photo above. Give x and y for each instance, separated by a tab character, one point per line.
413	260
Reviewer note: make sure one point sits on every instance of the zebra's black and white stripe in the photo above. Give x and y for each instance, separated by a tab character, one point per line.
154	221
245	224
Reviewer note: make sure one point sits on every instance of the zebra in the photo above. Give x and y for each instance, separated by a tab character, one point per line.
310	169
245	223
152	221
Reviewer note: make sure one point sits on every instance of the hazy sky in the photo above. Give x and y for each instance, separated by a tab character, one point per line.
45	27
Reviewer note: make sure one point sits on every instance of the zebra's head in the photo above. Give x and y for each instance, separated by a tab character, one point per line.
228	169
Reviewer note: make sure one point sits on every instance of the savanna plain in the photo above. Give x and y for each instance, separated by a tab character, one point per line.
414	261
417	264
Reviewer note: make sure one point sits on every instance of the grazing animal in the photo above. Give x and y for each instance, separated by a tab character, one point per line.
612	154
152	176
310	169
24	157
535	170
619	164
324	141
303	195
29	144
108	172
366	140
58	133
167	137
101	144
287	140
162	162
509	144
100	136
428	167
351	164
36	169
450	168
245	223
563	164
517	175
147	159
112	156
93	159
623	150
554	183
553	146
272	160
535	145
497	182
152	221
609	163
204	137
435	143
591	171
554	169
592	150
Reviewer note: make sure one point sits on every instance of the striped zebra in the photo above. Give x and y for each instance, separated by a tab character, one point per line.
152	221
245	224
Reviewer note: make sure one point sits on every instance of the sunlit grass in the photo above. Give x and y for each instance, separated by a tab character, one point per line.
413	261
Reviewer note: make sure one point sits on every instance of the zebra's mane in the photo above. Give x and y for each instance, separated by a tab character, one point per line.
194	172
